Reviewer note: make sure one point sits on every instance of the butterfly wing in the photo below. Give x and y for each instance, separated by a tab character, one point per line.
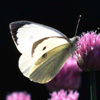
47	58
25	63
41	47
25	33
48	65
39	50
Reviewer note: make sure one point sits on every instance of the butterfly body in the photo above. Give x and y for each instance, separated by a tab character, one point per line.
44	49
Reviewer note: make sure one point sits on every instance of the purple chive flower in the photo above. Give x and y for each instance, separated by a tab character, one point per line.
64	95
88	52
67	78
18	96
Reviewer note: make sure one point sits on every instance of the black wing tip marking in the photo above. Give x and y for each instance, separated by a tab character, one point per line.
14	26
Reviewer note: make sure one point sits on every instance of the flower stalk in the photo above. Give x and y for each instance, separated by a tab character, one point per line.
93	94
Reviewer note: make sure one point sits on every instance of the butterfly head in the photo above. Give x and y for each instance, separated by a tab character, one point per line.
74	41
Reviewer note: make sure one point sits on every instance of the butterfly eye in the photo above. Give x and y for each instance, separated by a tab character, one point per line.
44	48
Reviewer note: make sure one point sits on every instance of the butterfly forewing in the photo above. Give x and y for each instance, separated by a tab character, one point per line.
25	33
44	49
25	63
44	45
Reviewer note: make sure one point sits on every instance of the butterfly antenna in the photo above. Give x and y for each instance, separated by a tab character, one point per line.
78	24
77	29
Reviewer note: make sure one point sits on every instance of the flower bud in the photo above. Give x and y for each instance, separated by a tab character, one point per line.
88	52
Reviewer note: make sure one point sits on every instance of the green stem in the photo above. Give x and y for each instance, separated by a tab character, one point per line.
93	94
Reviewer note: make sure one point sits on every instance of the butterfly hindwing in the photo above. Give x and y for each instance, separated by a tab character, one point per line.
39	50
46	67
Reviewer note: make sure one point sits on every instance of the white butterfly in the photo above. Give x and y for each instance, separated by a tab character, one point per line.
44	49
